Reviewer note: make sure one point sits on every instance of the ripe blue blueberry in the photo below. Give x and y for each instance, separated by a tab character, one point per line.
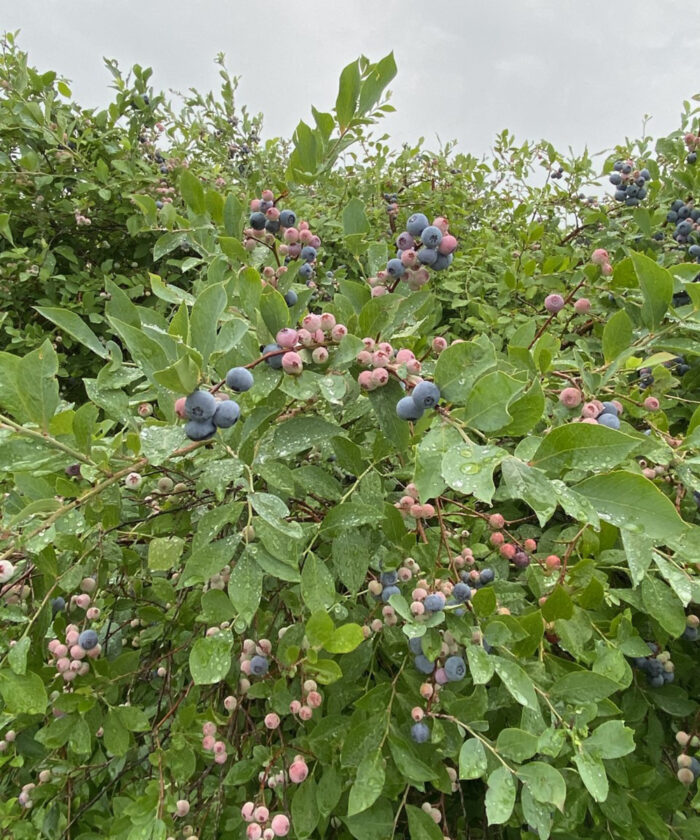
308	253
426	395
427	256
431	236
58	604
291	297
690	634
609	420
306	271
272	225
616	178
239	379
656	682
620	195
416	224
259	666
258	220
87	639
626	169
226	414
455	668
610	408
415	646
442	262
405	241
420	733
388	578
434	602
423	664
645	174
274	362
200	405
200	429
395	268
406	409
159	205
461	592
288	218
487	575
388	591
617	166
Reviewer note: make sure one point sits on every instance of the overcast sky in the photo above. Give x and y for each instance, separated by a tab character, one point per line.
575	72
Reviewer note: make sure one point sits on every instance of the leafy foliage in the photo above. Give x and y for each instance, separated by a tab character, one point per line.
235	584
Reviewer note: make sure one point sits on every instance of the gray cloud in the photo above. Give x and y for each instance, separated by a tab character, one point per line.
572	72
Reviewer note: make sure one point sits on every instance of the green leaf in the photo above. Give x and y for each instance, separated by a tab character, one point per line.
429	456
317	584
17	656
164	553
460	365
245	587
583	687
488	400
421	826
592	773
301	433
375	82
632	502
383	402
233	213
583	446
545	782
617	336
304	809
472	760
39	368
204	318
182	376
558	605
348	92
5	227
192	192
516	744
319	628
274	310
656	284
355	220
517	682
531	485
468	469
611	739
500	796
374	824
481	665
345	639
210	658
368	784
24	694
74	325
661	602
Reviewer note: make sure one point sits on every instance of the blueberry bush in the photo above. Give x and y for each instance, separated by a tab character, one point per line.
347	491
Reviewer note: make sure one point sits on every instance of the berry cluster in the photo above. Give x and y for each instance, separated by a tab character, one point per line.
409	505
686	217
630	182
206	412
391	204
254	657
603	413
676	365
688	765
267	223
385	361
69	657
420	246
311	699
261	826
692	143
691	632
658	667
210	743
424	395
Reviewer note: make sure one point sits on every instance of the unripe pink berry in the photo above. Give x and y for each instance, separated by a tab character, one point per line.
416	511
649	473
417	714
272	213
287	337
508	550
378	291
272	721
530	545
413	366
261	814
280	825
209	728
376	625
651	404
182	807
426	691
441	224
93	613
292	363
417	608
254	205
405	355
311	322
590	410
570	397
365	380
447	245
62	664
582	306
380	377
600	256
441	676
295	707
230	703
428	511
496	521
553	561
305	236
253	831
606	269
409	258
208	742
314	699
180	407
439	344
306	713
554	303
93	653
247	811
298	771
219	747
267	195
83	601
338	333
245	667
77	652
380	359
327	321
